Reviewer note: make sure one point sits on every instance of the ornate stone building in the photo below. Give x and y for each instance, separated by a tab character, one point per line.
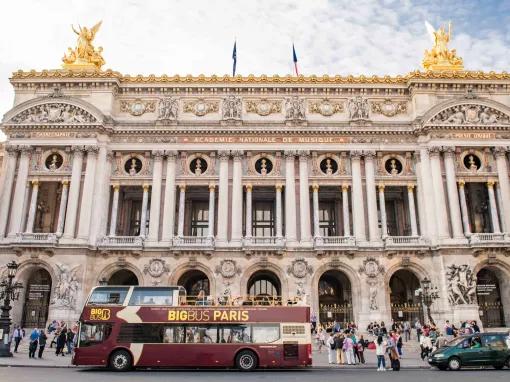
346	192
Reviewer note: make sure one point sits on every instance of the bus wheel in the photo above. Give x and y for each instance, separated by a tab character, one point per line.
246	360
120	360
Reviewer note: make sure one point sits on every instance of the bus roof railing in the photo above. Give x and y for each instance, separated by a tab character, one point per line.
246	300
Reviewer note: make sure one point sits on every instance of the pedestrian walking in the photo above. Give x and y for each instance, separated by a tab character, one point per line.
380	351
32	347
321	333
331	348
69	341
42	342
339	344
18	336
361	349
61	341
347	348
399	344
407	331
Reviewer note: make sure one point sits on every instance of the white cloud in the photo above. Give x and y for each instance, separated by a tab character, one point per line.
195	36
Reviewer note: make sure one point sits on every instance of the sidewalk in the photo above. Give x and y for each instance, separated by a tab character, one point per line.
49	359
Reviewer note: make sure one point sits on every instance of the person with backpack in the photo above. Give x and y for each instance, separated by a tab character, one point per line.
360	347
18	336
331	348
42	342
339	346
34	340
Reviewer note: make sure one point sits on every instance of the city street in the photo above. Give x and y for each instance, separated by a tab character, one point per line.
29	374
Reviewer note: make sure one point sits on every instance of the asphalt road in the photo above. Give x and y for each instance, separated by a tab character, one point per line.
36	374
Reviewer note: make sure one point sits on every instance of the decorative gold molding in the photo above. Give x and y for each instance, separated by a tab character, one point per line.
137	106
263	107
326	107
389	108
200	107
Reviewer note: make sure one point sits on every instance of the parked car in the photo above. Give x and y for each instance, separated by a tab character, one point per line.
480	349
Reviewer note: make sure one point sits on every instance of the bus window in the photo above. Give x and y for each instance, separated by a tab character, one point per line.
202	334
234	334
152	296
173	334
108	295
92	334
264	334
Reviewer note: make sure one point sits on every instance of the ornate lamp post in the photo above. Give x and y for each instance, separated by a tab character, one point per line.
8	292
427	294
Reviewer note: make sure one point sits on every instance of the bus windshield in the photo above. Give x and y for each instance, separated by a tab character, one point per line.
108	296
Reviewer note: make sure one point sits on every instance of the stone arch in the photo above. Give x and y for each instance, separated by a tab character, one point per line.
180	270
111	269
437	109
247	274
98	117
354	280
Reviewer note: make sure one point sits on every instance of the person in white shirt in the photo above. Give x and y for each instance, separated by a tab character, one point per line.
426	346
380	351
331	348
18	336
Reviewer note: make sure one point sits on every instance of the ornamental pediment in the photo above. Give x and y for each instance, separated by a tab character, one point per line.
470	114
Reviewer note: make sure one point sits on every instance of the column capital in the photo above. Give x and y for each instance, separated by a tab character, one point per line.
461	183
116	187
35	182
237	154
212	187
158	155
109	155
491	183
500	151
145	187
449	151
417	155
248	187
369	154
12	150
92	150
77	150
65	182
381	187
410	187
315	187
304	155
25	149
289	154
224	155
345	187
171	154
182	186
356	154
278	186
434	150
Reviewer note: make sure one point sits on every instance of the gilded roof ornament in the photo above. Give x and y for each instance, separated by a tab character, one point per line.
440	57
85	56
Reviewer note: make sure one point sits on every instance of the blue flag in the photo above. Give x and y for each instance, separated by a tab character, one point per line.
234	58
294	58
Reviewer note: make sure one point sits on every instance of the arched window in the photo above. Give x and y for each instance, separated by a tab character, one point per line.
37	299
123	277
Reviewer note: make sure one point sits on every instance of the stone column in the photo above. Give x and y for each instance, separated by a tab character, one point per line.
279	230
382	207
87	194
437	184
26	205
210	228
115	207
290	198
101	198
493	207
33	206
504	186
74	193
427	192
373	224
248	211
422	217
182	206
62	208
499	200
316	222
222	230
453	194
169	202
463	208
304	197
157	175
6	191
237	198
19	191
358	212
412	209
143	215
345	210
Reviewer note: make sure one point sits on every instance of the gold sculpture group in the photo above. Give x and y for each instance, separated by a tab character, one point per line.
86	57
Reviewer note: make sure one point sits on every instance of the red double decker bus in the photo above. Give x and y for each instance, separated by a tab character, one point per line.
124	327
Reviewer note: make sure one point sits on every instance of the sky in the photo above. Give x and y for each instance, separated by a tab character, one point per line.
197	36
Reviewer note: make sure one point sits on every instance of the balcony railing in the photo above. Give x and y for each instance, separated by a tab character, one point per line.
36	238
398	241
478	238
193	241
263	241
121	241
334	241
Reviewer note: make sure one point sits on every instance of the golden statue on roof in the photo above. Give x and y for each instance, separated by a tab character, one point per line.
84	56
440	57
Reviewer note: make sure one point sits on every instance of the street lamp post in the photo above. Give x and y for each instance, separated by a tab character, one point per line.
9	291
427	294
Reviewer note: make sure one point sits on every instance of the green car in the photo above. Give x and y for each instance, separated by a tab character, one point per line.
480	349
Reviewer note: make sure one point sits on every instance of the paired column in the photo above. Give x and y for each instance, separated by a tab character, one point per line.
279	230
19	191
422	214
316	222
290	198
345	210
74	193
33	206
304	197
222	230
88	193
169	203
62	208
182	206
382	207
143	215
248	223
463	208
504	186
210	228
429	203
453	194
157	175
115	208
237	198
6	192
437	183
358	213
373	226
412	209
493	207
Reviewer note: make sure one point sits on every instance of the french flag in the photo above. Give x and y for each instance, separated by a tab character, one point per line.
294	58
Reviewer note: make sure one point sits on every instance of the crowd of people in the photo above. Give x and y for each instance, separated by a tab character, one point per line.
62	336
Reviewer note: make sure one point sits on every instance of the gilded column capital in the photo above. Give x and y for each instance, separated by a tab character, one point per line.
146	187
278	186
345	187
410	187
35	183
491	183
381	187
461	183
116	187
182	186
249	187
315	187
65	183
355	154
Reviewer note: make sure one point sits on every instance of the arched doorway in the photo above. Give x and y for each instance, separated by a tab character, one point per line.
488	293
264	287
37	299
194	281
123	277
405	304
335	298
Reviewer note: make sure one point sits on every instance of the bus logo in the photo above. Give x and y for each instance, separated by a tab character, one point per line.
99	314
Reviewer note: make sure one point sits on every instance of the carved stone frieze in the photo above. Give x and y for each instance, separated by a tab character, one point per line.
54	113
263	106
66	291
295	109
299	268
232	108
228	269
470	114
358	108
461	284
389	108
168	109
156	268
201	107
137	106
326	107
